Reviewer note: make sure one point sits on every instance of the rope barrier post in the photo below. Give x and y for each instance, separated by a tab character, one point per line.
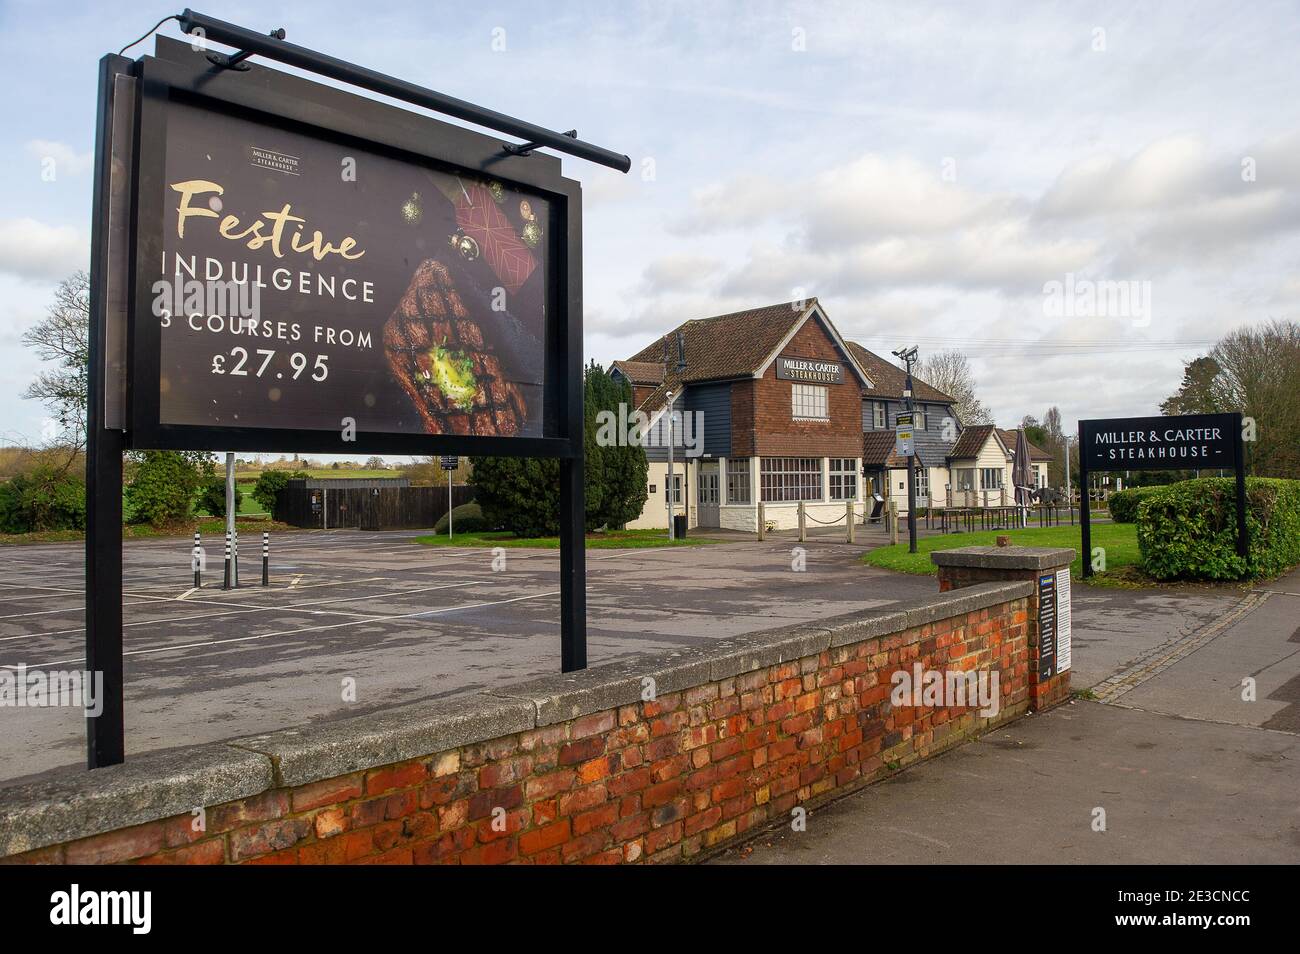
762	521
226	584
848	519
266	558
803	528
893	521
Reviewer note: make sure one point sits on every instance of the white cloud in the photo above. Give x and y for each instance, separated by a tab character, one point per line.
37	251
67	161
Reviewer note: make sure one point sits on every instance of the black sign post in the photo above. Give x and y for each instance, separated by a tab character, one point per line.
420	289
1183	442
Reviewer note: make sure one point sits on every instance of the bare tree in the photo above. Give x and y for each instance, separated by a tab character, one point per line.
62	337
1259	375
950	372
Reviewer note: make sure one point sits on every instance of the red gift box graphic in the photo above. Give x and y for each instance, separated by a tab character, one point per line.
481	219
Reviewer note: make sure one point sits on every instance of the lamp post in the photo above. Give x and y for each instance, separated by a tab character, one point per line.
909	355
668	489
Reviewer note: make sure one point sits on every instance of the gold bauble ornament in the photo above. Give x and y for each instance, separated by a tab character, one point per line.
412	210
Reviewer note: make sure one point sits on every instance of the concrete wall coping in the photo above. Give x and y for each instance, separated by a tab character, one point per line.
74	803
1005	558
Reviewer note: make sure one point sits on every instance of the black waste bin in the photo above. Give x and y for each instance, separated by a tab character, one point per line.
679	526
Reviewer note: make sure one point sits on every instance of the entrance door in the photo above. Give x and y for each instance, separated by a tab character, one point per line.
707	494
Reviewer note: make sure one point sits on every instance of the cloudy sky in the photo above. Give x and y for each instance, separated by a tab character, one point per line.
936	174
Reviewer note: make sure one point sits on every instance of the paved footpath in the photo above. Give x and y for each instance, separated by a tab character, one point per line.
1184	768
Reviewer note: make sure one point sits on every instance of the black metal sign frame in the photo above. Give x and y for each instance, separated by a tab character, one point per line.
177	69
1179	442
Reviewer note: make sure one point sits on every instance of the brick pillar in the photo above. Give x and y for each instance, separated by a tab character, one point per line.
967	566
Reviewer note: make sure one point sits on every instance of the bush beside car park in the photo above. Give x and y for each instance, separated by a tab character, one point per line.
44	498
467	518
1188	530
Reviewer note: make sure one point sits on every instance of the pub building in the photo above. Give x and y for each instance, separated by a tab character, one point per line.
773	405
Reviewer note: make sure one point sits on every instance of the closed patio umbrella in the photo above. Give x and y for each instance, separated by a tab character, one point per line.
1022	476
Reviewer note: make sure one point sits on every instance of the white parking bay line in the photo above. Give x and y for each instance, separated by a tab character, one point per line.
291	632
146	598
254	609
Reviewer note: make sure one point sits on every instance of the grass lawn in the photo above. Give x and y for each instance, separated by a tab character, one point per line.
1118	539
608	540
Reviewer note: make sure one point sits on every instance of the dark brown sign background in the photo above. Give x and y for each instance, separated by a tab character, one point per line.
440	250
811	370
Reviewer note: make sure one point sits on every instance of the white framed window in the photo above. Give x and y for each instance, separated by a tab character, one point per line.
923	483
790	478
808	402
878	415
738	480
677	489
918	422
844	478
966	478
706	487
990	478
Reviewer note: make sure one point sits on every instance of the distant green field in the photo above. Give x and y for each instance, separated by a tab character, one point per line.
1118	539
251	476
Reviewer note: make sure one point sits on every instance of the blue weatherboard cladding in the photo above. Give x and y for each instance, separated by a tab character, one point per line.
930	445
714	402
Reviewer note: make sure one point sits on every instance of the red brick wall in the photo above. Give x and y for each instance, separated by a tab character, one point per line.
1043	693
742	418
659	781
778	434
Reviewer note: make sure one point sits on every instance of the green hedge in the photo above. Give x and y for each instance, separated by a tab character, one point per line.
467	518
1188	530
46	498
1124	504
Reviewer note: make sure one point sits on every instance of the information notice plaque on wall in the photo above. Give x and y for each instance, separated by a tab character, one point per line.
1062	619
1047	619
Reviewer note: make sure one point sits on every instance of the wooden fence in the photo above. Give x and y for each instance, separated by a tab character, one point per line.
367	508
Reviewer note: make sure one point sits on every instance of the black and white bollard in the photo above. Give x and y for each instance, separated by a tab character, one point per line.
266	558
226	584
196	559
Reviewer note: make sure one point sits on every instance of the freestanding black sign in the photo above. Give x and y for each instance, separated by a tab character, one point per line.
311	270
1183	442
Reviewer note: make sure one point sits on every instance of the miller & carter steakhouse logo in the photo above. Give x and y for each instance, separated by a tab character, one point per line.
271	159
808	369
1193	444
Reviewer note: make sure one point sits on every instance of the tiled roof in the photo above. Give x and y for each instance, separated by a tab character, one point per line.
889	378
725	346
877	446
1035	452
971	440
641	372
721	348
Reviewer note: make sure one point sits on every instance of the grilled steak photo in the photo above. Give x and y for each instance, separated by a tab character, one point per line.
439	356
